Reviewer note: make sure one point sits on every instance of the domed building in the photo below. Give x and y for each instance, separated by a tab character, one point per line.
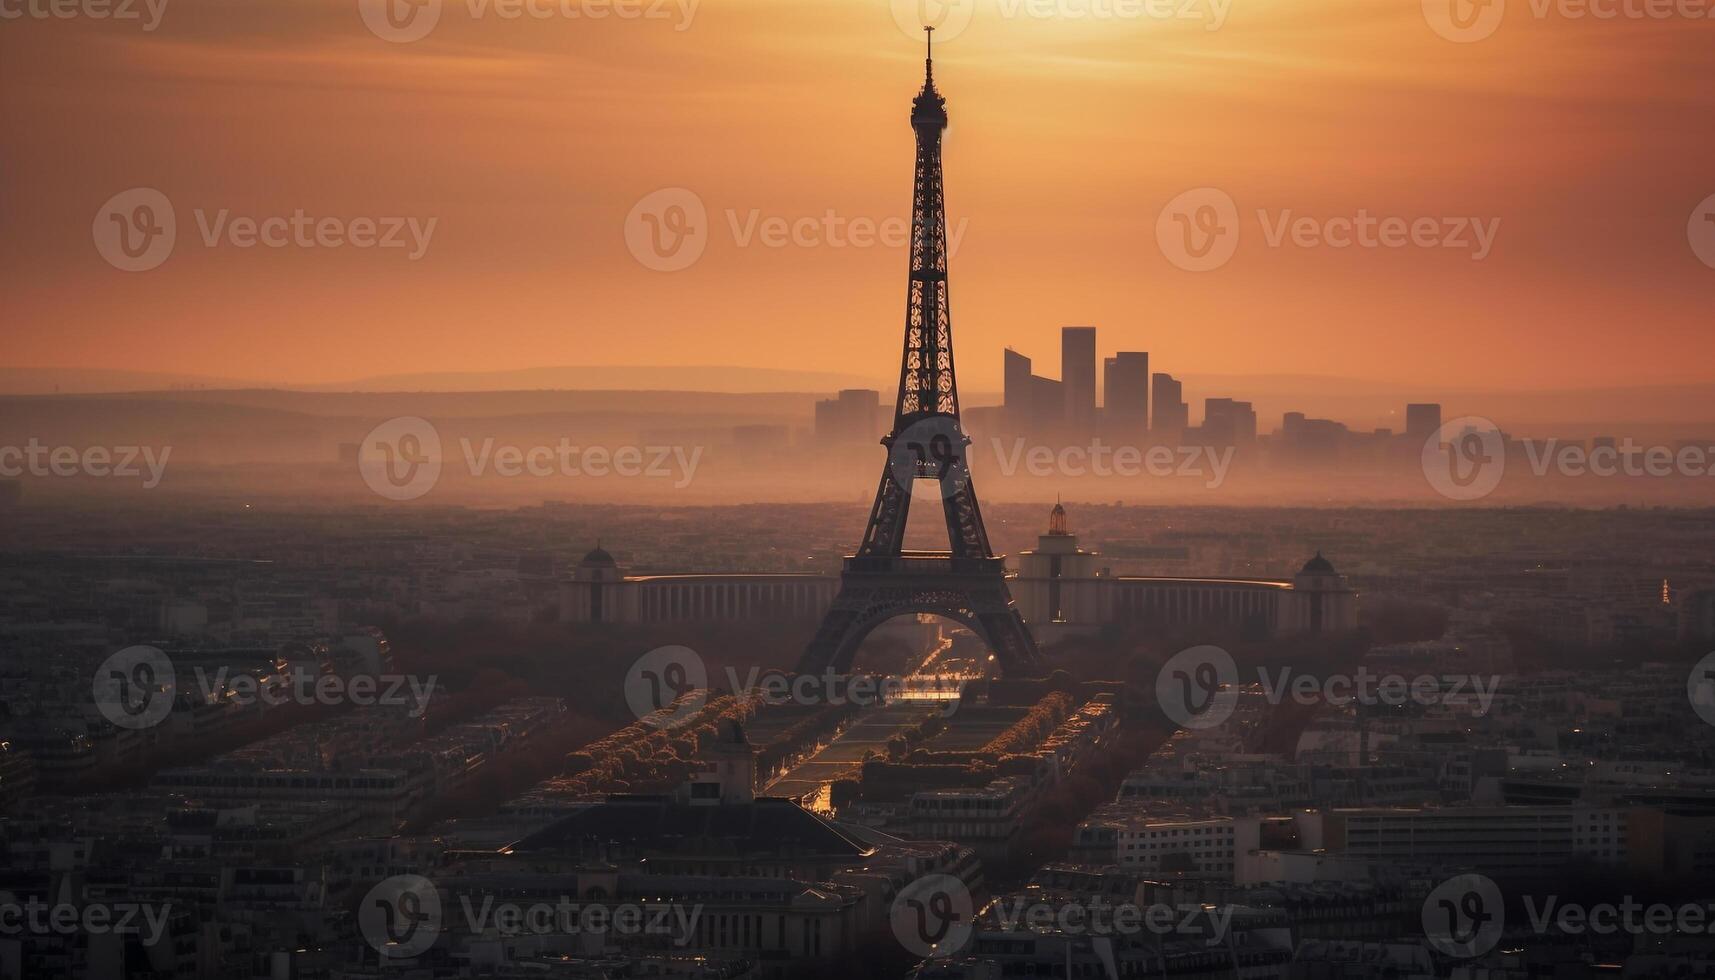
1321	600
596	586
1058	582
1062	589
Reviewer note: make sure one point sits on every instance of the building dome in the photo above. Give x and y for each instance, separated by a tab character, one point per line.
599	556
1318	566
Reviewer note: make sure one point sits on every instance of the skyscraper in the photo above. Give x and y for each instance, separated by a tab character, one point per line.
1017	392
1228	423
1078	378
1171	414
1125	376
1422	420
854	416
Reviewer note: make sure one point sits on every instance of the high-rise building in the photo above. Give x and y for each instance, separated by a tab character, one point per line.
1125	376
1078	377
1228	423
1422	420
853	416
1017	393
1049	416
1034	405
1168	409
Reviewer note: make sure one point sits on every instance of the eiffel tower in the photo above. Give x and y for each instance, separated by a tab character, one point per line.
927	448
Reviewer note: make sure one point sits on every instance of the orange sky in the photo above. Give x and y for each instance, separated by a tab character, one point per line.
528	141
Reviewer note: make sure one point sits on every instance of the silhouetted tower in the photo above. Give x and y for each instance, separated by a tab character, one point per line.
926	432
927	444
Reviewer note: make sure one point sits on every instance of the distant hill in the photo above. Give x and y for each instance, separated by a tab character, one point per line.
80	381
737	395
86	381
612	378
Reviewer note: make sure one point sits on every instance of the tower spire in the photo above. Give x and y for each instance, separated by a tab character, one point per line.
929	59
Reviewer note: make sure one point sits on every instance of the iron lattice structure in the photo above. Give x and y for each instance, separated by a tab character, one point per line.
926	445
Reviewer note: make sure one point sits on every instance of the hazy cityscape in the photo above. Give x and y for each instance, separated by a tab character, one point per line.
1336	602
371	695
